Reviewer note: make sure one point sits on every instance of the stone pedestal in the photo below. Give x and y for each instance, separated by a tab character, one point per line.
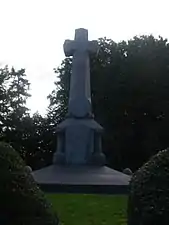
79	143
81	179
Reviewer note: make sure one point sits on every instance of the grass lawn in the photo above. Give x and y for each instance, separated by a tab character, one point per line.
82	209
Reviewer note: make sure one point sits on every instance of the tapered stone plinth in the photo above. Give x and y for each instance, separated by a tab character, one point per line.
82	179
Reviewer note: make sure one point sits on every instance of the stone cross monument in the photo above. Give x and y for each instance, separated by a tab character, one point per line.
79	135
80	95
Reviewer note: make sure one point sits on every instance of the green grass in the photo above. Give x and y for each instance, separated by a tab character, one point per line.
82	209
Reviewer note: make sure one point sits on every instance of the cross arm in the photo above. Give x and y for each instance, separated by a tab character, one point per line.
69	48
93	47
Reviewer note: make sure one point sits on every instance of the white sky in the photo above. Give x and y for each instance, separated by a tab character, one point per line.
32	32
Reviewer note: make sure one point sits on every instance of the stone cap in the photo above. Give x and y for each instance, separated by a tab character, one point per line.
74	122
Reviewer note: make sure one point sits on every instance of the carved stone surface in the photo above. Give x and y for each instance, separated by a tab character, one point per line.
79	142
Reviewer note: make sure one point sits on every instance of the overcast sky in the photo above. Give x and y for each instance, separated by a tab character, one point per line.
33	32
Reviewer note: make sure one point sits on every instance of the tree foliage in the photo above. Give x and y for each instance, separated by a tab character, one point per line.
32	136
17	92
59	97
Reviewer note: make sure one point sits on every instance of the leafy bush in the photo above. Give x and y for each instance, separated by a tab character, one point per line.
148	202
21	201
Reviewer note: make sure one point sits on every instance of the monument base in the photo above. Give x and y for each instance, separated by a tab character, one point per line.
82	179
79	143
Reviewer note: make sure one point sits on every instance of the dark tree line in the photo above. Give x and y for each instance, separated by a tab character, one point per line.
31	136
130	95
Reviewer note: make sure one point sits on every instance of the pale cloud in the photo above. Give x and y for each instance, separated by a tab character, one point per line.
33	32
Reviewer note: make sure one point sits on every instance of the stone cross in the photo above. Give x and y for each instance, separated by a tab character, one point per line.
79	135
80	94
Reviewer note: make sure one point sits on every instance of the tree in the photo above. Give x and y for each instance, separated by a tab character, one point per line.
39	141
4	80
32	136
16	91
59	97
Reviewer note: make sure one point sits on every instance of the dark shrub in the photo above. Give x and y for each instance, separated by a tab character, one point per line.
149	192
21	201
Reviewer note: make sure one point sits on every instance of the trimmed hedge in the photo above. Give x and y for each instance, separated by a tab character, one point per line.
148	202
21	201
